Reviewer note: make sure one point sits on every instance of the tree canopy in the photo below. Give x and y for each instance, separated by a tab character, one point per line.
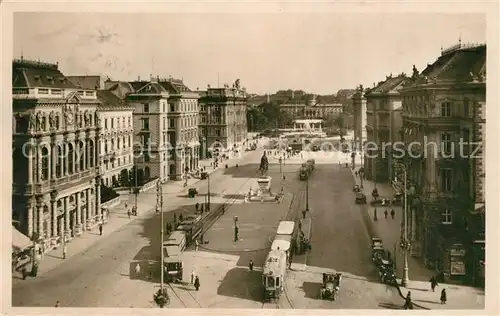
267	116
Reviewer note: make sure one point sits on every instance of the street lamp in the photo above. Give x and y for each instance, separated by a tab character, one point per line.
362	174
307	194
405	244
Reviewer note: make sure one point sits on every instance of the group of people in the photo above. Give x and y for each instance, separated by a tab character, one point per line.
443	296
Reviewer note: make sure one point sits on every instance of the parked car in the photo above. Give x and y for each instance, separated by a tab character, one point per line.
192	192
360	198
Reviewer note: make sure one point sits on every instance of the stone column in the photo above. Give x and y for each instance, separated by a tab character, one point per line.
39	207
53	207
67	228
90	219
78	226
29	153
30	217
98	199
53	160
66	159
84	213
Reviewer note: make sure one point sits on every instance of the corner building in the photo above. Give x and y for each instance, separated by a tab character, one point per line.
223	120
445	105
56	180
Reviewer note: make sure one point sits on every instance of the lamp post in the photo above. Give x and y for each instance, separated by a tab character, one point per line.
362	174
307	194
160	200
208	192
405	244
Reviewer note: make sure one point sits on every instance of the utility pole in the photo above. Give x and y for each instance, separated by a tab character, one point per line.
208	193
362	174
307	194
405	278
160	200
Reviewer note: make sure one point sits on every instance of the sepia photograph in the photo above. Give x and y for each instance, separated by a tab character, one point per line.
249	160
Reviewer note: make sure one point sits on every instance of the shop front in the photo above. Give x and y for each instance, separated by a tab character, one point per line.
457	262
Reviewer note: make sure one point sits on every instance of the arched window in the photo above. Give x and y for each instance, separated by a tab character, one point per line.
45	163
92	153
81	156
70	157
58	157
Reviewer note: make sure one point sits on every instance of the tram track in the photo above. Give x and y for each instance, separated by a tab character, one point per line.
183	302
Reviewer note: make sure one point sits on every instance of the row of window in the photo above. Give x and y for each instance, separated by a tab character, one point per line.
77	159
183	106
121	142
119	122
446	109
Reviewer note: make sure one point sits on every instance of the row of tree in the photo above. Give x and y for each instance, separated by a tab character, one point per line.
267	116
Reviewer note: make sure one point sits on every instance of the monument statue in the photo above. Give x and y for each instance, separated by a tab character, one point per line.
264	164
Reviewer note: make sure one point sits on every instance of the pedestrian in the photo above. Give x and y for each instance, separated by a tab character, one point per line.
202	208
236	230
24	273
408	303
64	251
128	213
392	213
192	276
196	245
57	304
137	270
197	283
197	206
250	266
100	229
356	173
443	296
385	213
375	214
433	283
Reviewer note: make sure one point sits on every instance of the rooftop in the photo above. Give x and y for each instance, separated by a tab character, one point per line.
31	74
389	84
109	100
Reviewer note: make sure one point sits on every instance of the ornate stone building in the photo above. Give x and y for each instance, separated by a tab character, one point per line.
311	108
116	131
223	119
443	110
383	125
182	135
56	189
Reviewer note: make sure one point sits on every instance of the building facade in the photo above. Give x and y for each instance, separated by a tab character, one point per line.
116	132
151	146
56	177
311	109
443	110
117	139
223	120
182	135
382	127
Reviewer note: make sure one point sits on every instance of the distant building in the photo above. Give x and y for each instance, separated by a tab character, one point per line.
311	109
56	179
446	104
223	119
381	101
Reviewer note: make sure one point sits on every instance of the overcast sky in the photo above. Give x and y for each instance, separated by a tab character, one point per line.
319	53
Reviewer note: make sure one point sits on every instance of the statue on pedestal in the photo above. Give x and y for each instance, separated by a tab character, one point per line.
264	164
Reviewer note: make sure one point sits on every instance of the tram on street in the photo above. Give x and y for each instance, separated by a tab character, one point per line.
273	275
172	263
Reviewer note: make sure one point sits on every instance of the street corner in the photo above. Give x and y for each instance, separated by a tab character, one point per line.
457	296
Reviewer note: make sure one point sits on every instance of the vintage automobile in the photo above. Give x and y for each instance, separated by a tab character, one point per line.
398	199
203	175
192	192
356	188
360	198
386	272
378	251
381	202
330	286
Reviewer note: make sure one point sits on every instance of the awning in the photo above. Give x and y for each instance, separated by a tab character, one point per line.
19	240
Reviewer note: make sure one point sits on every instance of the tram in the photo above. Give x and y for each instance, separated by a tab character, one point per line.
273	275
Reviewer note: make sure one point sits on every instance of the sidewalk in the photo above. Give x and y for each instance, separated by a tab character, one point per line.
459	297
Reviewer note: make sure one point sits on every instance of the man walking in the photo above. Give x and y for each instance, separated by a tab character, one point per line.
197	283
100	229
443	296
392	213
137	270
433	283
385	213
250	265
192	276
